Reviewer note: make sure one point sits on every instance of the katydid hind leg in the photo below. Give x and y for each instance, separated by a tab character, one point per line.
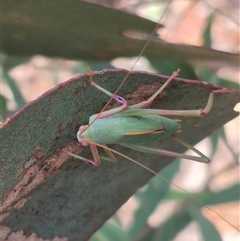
187	113
143	148
147	102
192	148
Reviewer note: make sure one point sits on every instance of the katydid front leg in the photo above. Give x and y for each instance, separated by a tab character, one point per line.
119	99
96	158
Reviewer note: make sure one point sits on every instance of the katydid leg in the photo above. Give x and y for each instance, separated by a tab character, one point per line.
112	157
190	147
96	158
147	102
88	161
151	150
107	113
188	113
119	99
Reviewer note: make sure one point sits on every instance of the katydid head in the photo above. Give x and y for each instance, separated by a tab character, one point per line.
80	137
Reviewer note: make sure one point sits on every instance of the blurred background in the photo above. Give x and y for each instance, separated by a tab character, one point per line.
186	22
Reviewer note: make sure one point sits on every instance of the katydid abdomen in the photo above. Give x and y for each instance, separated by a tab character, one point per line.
129	129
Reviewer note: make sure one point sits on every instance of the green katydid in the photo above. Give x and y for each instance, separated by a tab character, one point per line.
134	126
